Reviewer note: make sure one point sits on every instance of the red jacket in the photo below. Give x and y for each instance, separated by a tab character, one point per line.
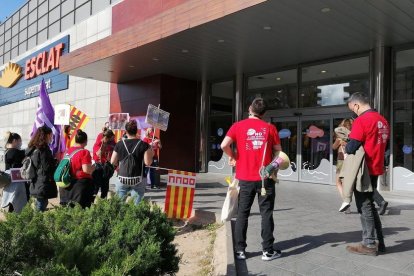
106	150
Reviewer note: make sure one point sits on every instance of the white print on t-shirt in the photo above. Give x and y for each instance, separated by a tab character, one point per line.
383	133
255	139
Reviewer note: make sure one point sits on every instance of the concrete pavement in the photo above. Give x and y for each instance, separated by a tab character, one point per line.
312	234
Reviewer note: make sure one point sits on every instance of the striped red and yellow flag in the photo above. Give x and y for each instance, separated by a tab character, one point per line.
77	120
180	194
118	134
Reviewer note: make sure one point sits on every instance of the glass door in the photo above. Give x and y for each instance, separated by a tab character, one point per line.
288	133
316	165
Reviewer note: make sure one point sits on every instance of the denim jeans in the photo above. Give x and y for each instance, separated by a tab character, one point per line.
41	204
151	172
247	193
137	192
370	220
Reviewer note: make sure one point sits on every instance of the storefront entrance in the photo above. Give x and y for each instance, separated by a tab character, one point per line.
307	140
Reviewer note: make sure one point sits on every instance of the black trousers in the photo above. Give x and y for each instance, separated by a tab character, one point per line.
247	193
80	191
370	220
100	182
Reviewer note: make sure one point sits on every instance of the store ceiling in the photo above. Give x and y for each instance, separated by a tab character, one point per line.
299	32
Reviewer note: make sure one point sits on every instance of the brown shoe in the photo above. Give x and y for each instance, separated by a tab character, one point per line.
361	249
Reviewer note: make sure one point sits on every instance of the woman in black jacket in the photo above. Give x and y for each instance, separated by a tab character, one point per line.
43	186
15	195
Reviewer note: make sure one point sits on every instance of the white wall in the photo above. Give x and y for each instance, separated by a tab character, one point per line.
90	96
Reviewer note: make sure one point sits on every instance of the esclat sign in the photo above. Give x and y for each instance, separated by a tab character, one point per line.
41	64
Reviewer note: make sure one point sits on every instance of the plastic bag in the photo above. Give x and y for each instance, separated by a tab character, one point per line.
231	202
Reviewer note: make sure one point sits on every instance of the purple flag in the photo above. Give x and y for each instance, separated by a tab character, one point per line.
45	115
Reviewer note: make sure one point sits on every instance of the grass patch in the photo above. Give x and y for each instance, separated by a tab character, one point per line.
206	263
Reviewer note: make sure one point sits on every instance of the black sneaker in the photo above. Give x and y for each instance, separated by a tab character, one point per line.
271	255
383	208
240	255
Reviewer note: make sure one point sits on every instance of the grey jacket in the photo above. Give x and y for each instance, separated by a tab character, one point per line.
355	175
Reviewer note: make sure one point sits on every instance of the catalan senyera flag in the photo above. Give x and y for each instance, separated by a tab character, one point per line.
77	120
118	134
180	194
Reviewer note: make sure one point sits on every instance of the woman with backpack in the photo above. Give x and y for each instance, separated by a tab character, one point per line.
81	188
15	195
130	155
102	151
42	187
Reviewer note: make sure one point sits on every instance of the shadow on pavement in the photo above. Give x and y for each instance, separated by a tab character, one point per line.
307	243
396	210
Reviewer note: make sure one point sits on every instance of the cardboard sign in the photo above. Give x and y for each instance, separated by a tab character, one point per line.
157	117
16	176
62	114
118	120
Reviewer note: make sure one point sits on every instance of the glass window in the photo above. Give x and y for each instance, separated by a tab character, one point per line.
403	120
332	83
68	6
83	12
54	29
22	47
220	120
32	29
1	40
43	8
67	21
98	5
54	15
278	89
53	3
2	28
32	16
42	23
24	11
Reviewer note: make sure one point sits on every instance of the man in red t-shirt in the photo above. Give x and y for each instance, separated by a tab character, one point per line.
372	131
255	141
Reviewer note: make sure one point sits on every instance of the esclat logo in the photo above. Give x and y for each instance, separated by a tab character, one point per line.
11	74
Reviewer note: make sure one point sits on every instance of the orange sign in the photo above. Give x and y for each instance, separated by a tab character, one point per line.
11	74
44	62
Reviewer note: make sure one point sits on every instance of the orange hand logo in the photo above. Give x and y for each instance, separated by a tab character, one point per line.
11	74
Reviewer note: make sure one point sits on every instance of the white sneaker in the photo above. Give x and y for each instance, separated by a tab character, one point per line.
344	206
240	255
271	255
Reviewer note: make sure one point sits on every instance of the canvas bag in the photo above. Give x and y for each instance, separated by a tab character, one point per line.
62	174
231	202
28	169
127	168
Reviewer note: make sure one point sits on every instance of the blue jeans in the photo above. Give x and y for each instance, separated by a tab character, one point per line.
137	192
41	204
152	172
370	220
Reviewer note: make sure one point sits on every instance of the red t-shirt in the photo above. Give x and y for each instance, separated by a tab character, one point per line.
373	131
250	136
106	150
80	158
155	146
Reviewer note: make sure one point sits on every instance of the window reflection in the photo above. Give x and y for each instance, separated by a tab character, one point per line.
332	83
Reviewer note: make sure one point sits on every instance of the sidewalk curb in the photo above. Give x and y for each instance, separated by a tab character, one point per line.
231	265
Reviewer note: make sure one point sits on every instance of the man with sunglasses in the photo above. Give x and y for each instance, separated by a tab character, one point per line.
372	131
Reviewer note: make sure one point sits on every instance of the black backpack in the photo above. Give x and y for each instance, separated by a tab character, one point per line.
129	172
